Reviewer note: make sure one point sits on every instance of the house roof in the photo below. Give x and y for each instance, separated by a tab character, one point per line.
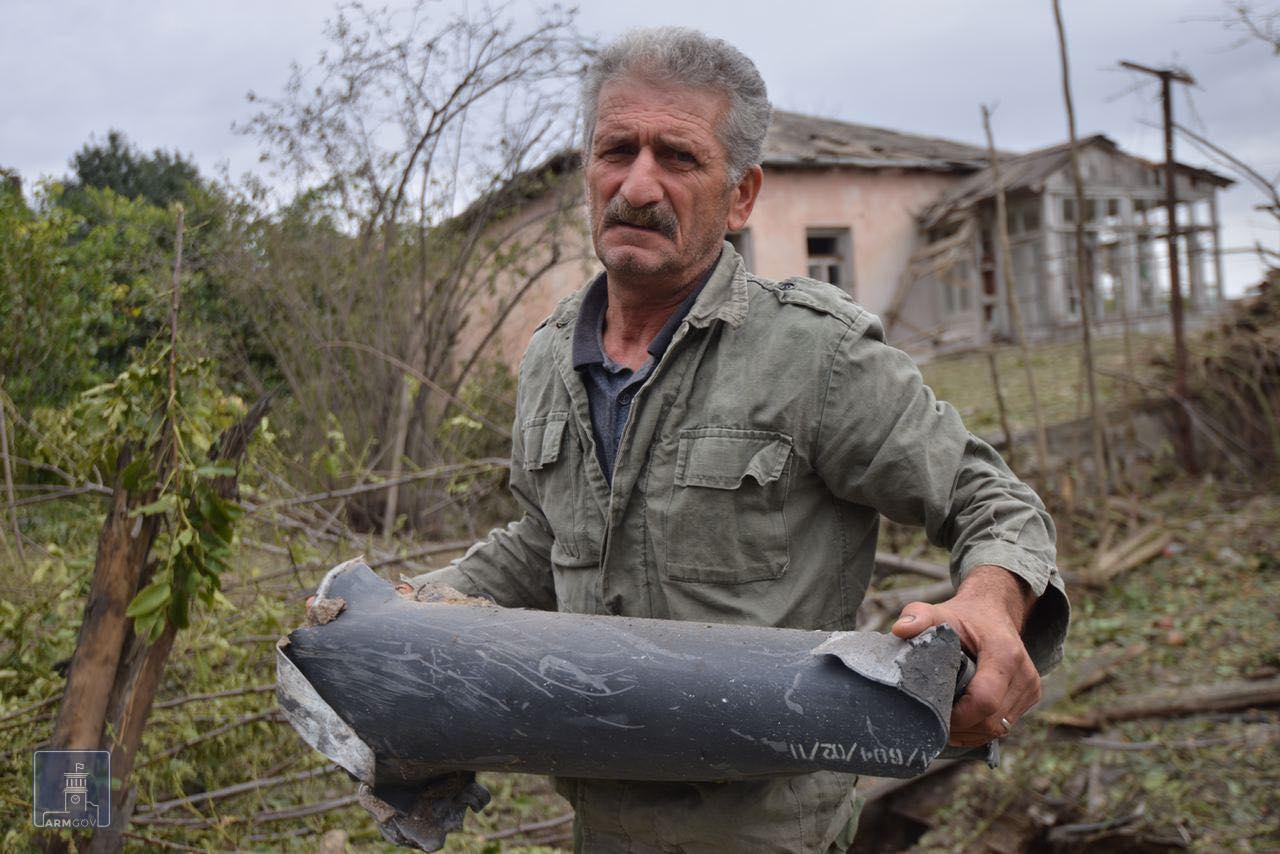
799	140
1030	170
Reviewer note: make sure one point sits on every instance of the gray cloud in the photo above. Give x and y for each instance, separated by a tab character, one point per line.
175	75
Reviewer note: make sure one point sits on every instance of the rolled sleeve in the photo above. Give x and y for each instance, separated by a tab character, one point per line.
885	441
997	520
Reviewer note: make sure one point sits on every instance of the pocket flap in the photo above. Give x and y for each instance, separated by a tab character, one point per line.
541	438
722	457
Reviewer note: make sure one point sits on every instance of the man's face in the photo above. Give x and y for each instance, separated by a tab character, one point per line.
657	180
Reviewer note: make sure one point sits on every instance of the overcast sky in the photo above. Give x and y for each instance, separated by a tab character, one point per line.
175	75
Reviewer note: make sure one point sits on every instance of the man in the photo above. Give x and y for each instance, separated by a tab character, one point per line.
694	442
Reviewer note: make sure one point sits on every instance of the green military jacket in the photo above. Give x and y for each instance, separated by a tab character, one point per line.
750	479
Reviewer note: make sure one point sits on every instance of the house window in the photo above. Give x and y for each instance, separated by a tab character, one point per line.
1069	210
955	289
1031	217
741	241
831	256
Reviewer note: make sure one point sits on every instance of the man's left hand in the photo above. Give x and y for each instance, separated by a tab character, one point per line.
987	611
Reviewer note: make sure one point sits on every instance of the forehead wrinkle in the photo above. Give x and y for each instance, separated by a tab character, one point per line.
647	107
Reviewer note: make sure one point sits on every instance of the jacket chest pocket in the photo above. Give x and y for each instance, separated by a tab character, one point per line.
553	459
551	466
725	522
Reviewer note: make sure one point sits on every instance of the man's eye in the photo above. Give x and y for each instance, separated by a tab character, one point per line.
685	158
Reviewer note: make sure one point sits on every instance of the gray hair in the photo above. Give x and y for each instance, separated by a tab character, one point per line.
689	58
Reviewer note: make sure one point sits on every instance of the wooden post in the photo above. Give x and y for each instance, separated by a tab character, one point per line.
1004	415
1186	447
8	485
1011	299
1083	293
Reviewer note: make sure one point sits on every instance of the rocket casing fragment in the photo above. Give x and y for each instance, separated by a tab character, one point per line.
397	690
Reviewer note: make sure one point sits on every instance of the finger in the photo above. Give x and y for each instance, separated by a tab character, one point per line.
969	739
916	617
310	599
404	589
987	697
1022	692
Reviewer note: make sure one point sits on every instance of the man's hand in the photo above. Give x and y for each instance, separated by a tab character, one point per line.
987	611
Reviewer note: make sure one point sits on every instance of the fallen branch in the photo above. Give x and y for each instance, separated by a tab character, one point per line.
259	818
1144	545
1223	697
32	708
424	551
37	719
426	474
1270	734
71	492
269	714
237	789
158	843
233	692
532	827
1073	832
1087	675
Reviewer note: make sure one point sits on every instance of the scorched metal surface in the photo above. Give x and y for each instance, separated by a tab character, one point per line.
397	690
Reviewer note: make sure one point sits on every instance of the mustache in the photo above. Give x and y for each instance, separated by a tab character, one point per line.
655	216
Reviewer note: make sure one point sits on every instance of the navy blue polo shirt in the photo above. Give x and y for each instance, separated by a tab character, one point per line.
611	386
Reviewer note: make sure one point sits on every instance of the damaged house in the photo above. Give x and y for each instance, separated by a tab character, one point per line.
952	292
905	225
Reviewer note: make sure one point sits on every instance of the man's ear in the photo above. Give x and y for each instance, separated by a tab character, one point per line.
743	198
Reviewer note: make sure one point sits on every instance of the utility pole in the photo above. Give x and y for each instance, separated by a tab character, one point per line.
1167	76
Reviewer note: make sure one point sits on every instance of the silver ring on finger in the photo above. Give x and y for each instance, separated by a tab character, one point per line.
1006	726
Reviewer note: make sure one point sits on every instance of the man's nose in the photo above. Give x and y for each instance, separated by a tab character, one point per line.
641	186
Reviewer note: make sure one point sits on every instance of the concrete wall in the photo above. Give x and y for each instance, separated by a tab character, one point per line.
578	263
878	207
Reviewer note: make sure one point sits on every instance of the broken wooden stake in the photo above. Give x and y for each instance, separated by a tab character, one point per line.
1145	544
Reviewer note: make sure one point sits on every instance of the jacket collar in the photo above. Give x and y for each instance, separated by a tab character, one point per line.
723	297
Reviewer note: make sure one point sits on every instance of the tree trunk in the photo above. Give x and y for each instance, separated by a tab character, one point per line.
122	549
134	687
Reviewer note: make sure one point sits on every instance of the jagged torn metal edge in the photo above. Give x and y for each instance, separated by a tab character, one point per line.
879	657
313	718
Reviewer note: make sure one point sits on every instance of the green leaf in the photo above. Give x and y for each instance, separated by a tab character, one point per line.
137	475
212	471
149	600
163	504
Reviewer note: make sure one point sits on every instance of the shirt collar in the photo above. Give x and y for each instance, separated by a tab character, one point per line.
587	331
